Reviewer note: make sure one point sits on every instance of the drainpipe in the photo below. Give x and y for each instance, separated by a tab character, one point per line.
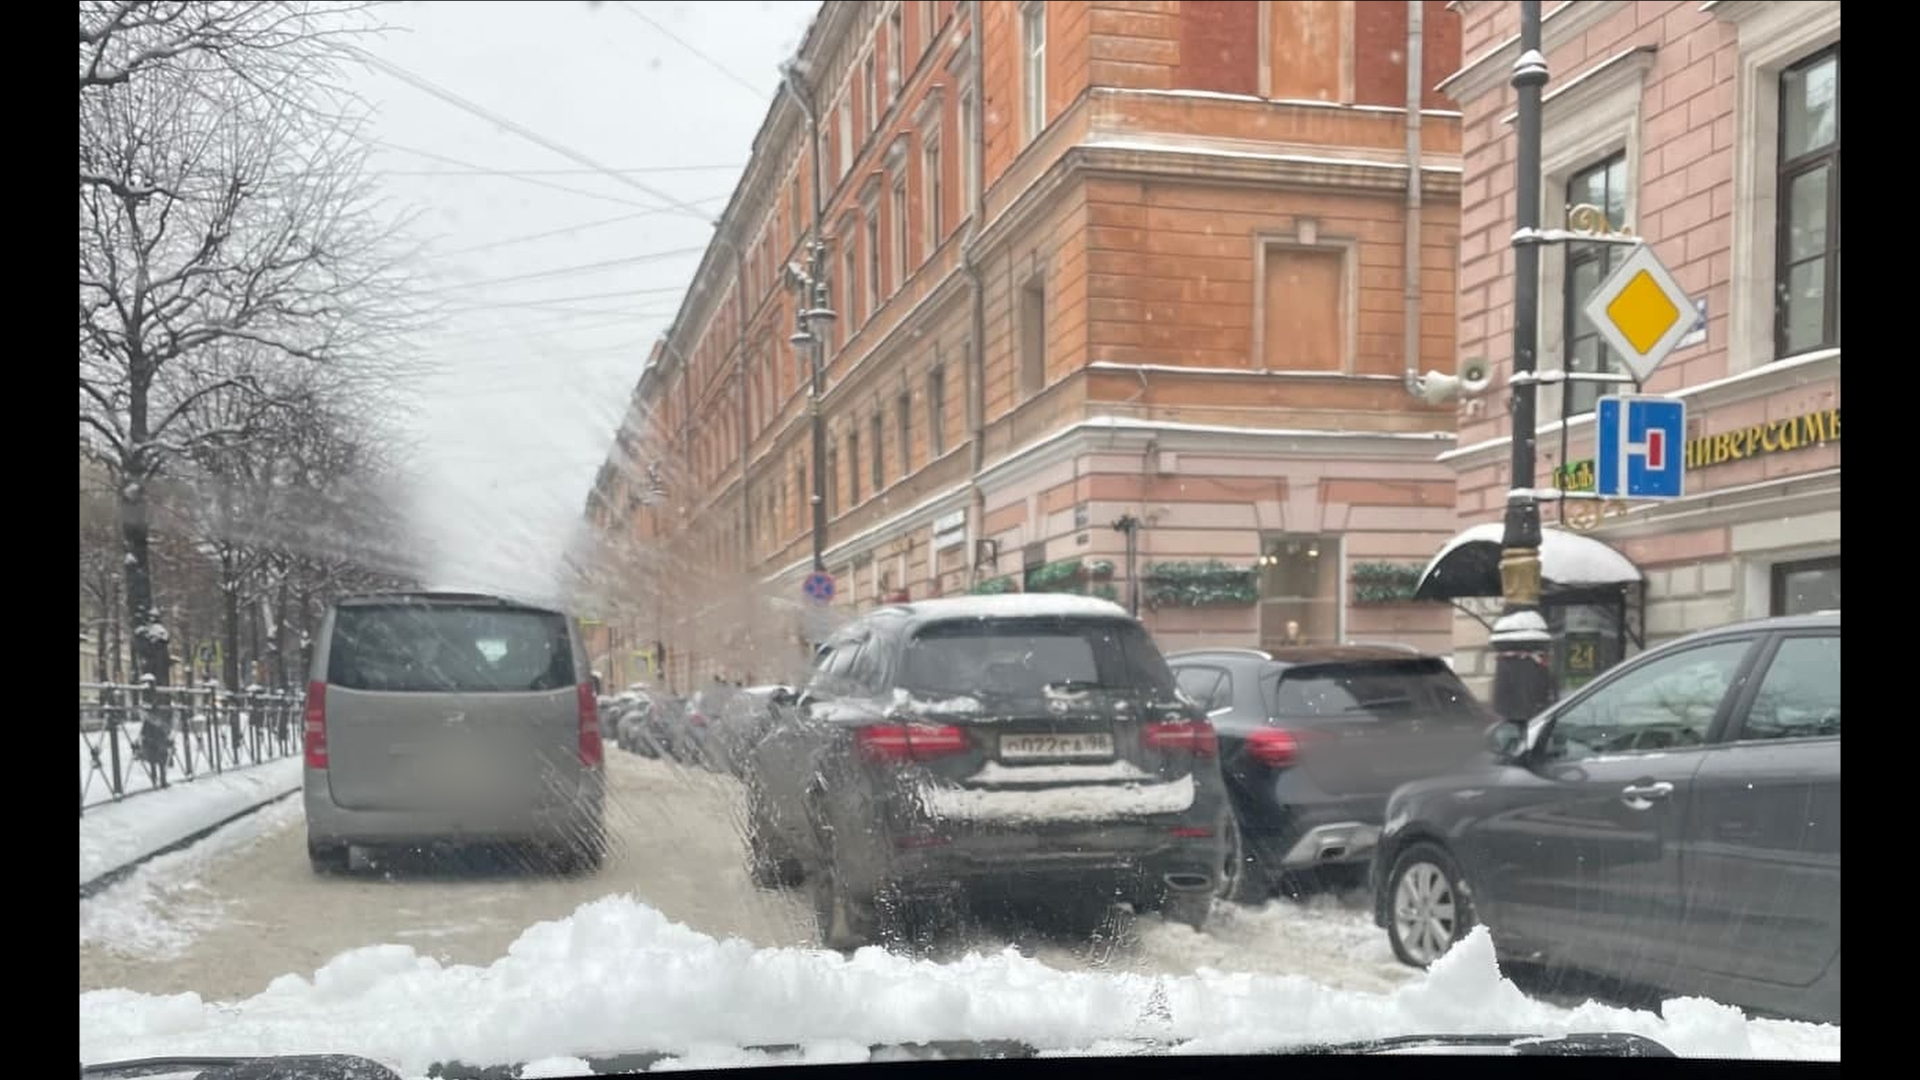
1411	278
746	437
976	362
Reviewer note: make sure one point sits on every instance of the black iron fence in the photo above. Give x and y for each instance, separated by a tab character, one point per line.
135	739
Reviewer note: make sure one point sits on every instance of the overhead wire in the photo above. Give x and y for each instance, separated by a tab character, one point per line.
716	65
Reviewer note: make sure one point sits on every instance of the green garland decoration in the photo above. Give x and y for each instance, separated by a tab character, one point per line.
1208	584
993	586
1384	582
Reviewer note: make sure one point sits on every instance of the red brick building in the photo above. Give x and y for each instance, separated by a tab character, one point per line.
1713	131
1091	260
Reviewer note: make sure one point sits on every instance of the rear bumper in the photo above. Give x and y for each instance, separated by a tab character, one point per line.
1130	860
565	818
1295	825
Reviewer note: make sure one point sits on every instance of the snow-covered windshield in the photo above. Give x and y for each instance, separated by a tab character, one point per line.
696	534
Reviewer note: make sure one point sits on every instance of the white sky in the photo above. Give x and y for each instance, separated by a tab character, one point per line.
523	408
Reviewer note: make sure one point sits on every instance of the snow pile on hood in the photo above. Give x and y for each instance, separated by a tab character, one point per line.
617	976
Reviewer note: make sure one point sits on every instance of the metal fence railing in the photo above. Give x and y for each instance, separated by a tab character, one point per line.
135	739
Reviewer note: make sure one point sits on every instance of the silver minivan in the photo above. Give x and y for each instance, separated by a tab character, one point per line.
452	717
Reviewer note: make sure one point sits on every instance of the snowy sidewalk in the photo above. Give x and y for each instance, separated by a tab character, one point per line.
115	834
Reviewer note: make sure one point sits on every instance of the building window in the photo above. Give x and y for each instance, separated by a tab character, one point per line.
933	190
870	87
1807	285
845	136
1306	311
898	213
1033	80
937	412
849	285
903	407
1603	185
877	434
1033	336
874	291
1300	591
795	200
896	51
969	151
1801	588
802	506
853	466
833	480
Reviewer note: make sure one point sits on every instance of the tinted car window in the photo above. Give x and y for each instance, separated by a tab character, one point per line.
1022	656
1199	683
413	648
1372	690
1800	696
1667	703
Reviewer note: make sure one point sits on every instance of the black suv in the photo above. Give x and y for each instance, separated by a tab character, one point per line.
1312	741
1034	747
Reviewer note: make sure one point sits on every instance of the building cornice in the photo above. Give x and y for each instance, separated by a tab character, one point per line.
1494	67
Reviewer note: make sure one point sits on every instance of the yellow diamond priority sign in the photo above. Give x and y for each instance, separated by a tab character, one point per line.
1641	311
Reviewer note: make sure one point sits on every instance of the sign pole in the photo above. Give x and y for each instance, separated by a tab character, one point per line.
1522	645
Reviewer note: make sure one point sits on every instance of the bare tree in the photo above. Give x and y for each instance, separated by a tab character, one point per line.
227	234
124	39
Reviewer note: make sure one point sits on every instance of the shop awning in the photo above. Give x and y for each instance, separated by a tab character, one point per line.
1469	565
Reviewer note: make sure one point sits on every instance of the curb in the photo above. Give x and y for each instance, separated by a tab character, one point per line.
92	888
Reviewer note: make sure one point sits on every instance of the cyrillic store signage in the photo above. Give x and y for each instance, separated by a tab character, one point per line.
1756	440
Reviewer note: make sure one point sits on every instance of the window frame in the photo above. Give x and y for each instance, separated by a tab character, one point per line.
1777	574
933	190
903	406
876	274
897	210
1032	341
1033	69
1576	256
1785	171
936	412
896	51
1716	727
877	433
1756	678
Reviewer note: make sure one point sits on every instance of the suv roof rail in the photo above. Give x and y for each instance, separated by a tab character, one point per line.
1215	650
1398	645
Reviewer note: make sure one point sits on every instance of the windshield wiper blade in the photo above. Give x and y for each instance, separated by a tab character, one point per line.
271	1067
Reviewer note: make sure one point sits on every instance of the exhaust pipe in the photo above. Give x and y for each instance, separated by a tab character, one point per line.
1187	882
1332	851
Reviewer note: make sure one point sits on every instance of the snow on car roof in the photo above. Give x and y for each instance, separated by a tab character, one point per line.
1013	606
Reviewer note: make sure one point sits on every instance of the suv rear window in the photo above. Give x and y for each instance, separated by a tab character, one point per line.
1378	690
449	648
1022	656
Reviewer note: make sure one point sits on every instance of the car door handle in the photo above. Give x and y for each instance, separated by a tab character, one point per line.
1638	792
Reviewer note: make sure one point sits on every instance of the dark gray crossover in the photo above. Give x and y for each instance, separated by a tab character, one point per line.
1312	741
1674	825
947	749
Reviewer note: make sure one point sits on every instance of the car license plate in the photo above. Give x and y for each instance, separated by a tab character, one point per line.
1055	747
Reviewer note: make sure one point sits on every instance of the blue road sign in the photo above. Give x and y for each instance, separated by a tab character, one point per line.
818	587
1642	451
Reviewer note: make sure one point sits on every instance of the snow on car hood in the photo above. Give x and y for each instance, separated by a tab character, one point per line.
657	985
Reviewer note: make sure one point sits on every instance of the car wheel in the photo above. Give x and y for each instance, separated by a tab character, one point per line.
1428	908
845	922
1244	878
327	860
769	866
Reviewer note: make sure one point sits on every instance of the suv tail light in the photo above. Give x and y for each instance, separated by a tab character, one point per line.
910	742
591	750
1194	737
1275	748
315	728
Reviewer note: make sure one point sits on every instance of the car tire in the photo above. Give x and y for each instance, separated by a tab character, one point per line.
328	860
1244	880
769	865
1428	904
844	923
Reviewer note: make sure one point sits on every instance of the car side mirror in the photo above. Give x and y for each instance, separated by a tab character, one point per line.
1508	740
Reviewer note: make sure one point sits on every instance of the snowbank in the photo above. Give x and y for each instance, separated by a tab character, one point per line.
657	985
116	834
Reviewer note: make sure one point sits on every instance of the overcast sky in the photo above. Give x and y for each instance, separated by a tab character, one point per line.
536	370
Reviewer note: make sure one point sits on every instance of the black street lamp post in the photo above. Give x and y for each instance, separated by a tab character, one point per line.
1522	645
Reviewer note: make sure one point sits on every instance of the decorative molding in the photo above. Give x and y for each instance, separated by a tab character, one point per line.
1494	67
1596	84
